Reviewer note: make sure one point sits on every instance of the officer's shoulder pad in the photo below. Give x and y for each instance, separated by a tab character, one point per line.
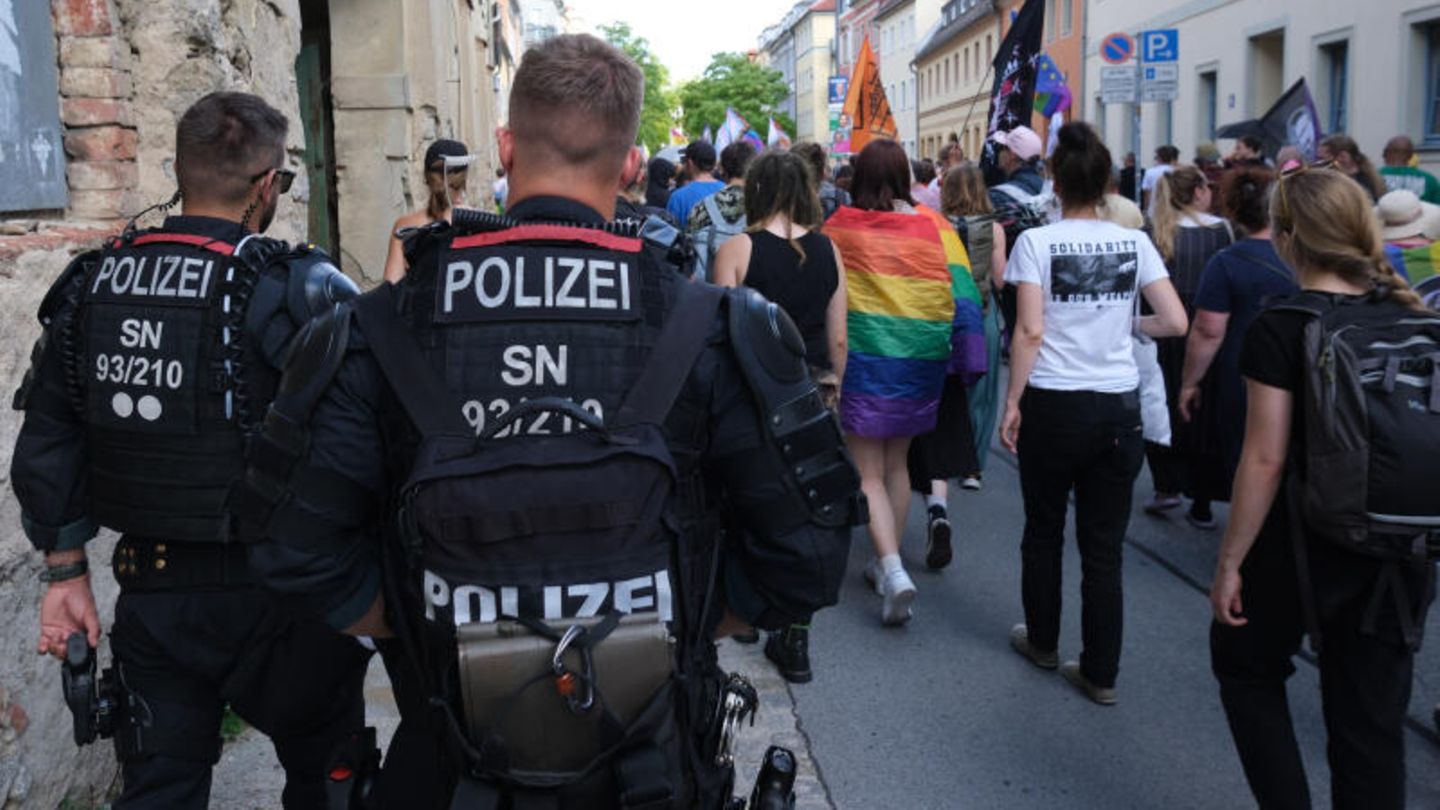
67	284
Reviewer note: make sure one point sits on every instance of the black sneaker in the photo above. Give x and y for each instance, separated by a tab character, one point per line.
1200	516
751	636
789	649
938	552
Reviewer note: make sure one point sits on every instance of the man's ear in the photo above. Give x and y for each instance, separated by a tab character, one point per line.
634	160
505	146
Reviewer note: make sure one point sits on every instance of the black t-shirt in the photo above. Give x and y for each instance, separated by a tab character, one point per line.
1273	355
802	289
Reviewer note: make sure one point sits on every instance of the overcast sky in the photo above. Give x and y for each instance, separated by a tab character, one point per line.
685	35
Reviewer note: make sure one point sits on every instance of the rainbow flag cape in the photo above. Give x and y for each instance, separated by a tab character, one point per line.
902	276
1416	263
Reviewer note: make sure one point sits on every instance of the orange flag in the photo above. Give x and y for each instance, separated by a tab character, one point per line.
866	104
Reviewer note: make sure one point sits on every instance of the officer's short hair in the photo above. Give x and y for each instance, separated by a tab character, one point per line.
578	98
223	141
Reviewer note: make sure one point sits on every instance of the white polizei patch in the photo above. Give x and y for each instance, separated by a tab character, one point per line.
584	600
562	283
154	276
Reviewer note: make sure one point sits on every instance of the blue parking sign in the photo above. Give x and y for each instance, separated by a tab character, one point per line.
1161	45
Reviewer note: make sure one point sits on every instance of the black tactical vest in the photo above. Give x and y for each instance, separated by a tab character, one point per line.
166	383
538	310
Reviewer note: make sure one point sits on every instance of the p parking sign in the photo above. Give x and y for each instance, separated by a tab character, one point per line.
1161	45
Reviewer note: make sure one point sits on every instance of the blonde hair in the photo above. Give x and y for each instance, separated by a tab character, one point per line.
1323	221
963	194
1174	195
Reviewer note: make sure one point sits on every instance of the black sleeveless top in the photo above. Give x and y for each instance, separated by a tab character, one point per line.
803	290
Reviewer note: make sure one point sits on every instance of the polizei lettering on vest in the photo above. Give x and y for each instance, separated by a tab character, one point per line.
154	276
583	600
528	283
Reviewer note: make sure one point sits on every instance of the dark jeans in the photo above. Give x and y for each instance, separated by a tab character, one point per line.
187	653
1365	679
1090	443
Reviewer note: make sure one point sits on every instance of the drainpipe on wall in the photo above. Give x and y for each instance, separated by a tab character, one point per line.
915	99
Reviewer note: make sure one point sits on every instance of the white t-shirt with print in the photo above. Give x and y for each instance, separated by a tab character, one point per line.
1087	271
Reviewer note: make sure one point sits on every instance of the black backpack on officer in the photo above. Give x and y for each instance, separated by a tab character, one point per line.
554	554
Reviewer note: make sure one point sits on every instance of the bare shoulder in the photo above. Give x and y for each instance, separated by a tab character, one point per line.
414	219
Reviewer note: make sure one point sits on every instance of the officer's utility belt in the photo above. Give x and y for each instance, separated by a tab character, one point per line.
154	565
558	700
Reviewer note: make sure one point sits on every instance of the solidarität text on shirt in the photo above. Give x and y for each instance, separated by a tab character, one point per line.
1087	271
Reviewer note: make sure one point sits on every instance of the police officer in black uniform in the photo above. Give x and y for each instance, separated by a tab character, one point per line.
159	354
554	303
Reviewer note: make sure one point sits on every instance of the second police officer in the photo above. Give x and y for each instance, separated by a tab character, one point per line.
158	356
537	430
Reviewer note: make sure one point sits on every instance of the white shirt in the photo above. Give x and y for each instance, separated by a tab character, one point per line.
1153	175
1087	271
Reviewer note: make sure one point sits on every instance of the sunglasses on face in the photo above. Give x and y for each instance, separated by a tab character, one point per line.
284	177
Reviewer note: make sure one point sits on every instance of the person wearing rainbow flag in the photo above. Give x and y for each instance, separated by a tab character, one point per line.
913	315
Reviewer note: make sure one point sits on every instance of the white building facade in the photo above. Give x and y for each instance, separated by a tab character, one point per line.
1373	68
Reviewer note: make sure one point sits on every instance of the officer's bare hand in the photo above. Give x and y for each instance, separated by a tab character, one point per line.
67	607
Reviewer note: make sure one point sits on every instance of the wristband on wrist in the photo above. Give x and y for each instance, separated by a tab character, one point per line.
61	573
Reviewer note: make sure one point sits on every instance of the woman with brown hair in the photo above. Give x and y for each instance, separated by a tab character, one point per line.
1187	236
782	255
904	266
1324	228
1344	155
1072	410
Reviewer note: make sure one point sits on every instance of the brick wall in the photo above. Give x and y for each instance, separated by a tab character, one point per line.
95	98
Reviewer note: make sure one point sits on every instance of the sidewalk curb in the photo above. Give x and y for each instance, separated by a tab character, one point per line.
775	724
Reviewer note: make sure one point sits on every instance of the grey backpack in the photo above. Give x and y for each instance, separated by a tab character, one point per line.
712	236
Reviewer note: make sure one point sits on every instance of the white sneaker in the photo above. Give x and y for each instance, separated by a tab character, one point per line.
899	593
874	574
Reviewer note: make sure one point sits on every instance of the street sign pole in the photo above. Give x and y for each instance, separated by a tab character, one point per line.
1135	147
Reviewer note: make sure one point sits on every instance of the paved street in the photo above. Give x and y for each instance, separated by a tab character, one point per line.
941	714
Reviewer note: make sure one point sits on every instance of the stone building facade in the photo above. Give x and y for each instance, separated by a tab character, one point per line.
367	86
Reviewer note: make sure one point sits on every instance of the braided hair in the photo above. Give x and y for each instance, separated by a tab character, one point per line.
1323	221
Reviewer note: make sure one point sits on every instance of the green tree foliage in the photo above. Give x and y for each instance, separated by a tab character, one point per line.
732	80
658	114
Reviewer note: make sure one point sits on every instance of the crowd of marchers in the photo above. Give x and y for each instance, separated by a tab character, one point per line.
637	407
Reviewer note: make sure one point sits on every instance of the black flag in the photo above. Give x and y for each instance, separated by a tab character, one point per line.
1012	98
1291	121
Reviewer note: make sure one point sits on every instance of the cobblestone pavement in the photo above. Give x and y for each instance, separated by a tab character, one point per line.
249	778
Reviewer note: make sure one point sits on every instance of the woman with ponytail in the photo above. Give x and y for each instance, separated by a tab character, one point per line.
1323	228
1187	236
444	191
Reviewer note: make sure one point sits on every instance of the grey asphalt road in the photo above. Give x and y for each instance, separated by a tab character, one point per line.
942	714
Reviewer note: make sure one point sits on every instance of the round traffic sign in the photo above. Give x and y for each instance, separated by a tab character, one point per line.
1117	48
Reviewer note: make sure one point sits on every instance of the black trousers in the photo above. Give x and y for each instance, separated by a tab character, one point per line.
1089	443
186	653
1365	677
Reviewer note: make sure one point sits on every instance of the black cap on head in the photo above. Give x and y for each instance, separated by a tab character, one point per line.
439	150
701	153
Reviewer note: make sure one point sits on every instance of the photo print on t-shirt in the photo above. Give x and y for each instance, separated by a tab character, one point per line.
1081	277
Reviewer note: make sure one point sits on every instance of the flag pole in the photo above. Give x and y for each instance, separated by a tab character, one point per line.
966	125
